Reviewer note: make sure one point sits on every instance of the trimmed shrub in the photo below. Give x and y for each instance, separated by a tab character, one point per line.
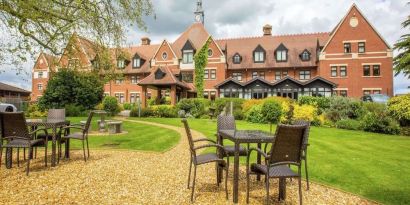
255	114
348	124
248	104
110	105
399	107
128	106
343	108
380	123
194	106
167	111
221	103
304	112
322	103
33	111
72	110
146	112
271	111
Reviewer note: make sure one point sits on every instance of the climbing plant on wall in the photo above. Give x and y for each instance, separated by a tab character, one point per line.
201	60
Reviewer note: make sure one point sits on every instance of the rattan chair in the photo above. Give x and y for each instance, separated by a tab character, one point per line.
227	122
54	114
83	135
199	159
305	146
286	150
15	132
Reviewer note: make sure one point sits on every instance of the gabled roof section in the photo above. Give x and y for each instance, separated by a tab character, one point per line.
145	52
257	79
162	76
334	31
259	48
282	47
318	78
196	33
11	88
159	47
287	78
188	46
228	80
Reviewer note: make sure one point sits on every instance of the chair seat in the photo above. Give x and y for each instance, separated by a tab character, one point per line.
24	143
44	136
274	172
76	135
230	151
211	157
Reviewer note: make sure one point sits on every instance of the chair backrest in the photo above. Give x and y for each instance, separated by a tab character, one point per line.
226	122
189	135
88	123
56	114
14	124
307	130
287	145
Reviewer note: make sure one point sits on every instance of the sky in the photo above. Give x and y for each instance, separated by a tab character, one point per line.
236	18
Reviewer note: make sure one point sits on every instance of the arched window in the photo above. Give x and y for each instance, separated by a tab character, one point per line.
281	53
259	54
305	55
237	58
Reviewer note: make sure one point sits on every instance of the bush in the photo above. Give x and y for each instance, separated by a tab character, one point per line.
271	111
255	114
248	104
343	108
348	124
304	112
380	123
221	103
128	106
167	111
196	107
110	105
321	103
33	111
72	110
399	107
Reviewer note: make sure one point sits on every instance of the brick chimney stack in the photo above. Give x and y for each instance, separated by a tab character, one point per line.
267	30
145	41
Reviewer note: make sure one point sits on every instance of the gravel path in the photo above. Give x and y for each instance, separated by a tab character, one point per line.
135	177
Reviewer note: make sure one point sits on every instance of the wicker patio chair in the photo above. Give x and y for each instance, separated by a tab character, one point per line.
227	122
286	150
83	135
54	114
199	159
15	132
305	146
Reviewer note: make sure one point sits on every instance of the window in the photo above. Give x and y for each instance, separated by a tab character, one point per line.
305	56
164	55
134	79
304	74
121	63
210	53
136	62
188	77
237	59
120	97
347	48
40	74
213	95
366	70
206	94
343	71
362	47
376	70
213	74
259	56
343	93
119	81
134	97
277	75
333	71
237	76
285	73
40	86
376	92
254	74
281	55
187	56
366	92
206	74
262	74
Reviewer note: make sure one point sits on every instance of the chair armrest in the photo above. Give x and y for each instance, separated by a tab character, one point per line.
257	150
16	137
204	139
220	147
76	124
74	127
39	129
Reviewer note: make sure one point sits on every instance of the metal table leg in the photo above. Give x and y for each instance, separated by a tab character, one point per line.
53	149
258	159
9	156
282	189
236	174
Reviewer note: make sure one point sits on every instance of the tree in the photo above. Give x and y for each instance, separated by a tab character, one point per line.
271	112
48	24
201	60
402	61
69	87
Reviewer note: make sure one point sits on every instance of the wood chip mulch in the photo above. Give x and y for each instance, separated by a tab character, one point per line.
133	177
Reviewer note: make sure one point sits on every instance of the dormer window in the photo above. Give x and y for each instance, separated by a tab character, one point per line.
96	64
187	56
259	54
121	63
305	55
281	53
136	61
237	59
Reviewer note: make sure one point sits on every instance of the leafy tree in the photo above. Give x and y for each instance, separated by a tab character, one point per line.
69	87
271	112
48	24
201	60
402	60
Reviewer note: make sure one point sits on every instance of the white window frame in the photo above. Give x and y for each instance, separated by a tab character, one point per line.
187	56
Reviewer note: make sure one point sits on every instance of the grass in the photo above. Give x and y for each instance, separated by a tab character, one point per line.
372	165
139	137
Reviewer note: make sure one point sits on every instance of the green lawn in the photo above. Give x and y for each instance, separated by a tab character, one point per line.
372	165
139	137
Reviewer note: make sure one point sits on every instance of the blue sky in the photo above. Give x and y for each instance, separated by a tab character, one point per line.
233	18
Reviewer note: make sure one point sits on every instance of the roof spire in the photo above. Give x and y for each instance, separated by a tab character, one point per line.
199	13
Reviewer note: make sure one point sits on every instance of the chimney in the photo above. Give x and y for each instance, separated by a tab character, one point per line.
267	30
145	41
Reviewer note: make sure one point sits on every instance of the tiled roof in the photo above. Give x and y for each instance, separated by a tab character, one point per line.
302	83
7	87
168	78
145	52
295	44
52	61
196	33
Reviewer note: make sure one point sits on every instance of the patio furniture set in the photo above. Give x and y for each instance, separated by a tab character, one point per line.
288	148
15	134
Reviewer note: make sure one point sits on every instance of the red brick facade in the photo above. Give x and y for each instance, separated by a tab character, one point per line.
355	72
